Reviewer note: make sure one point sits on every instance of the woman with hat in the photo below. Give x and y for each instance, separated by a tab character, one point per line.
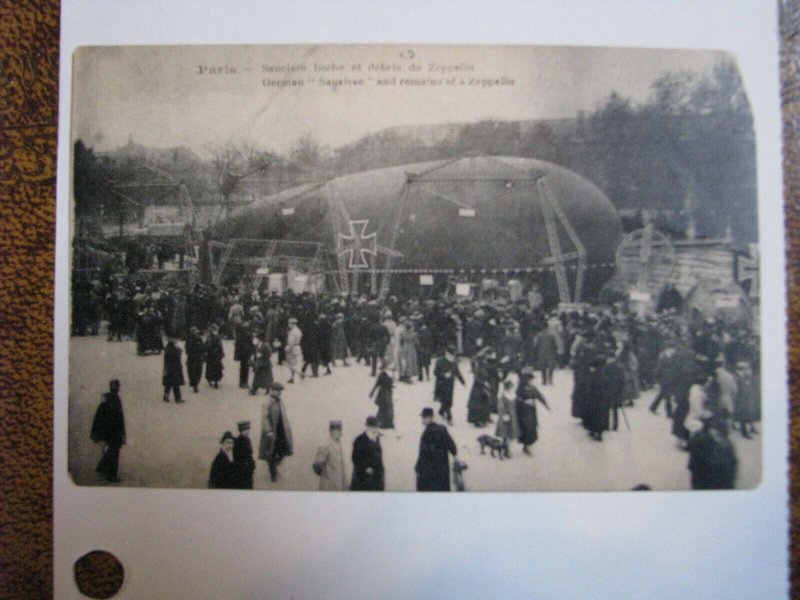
507	427
262	366
214	355
223	472
409	366
528	419
339	340
384	384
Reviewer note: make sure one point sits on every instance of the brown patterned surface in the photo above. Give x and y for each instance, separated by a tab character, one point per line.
28	111
790	94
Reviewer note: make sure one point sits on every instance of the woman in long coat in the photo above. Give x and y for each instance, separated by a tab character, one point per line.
214	355
408	351
484	388
384	385
507	425
339	340
262	366
545	351
527	396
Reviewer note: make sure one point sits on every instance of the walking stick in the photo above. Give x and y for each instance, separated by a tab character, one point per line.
625	417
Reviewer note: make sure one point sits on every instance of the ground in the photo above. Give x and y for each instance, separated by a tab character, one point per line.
171	445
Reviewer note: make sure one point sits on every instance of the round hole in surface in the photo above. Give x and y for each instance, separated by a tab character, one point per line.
99	574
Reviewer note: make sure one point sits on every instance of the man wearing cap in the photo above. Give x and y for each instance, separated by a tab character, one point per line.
329	461
368	474
223	470
433	466
108	430
243	462
445	372
276	434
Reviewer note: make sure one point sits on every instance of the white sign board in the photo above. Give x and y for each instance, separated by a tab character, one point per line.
426	279
463	289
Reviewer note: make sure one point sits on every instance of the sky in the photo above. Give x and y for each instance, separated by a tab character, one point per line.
204	96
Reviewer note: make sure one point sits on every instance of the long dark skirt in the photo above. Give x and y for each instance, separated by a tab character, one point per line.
479	406
385	414
194	369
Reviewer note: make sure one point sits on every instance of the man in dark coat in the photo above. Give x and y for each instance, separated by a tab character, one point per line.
324	340
433	465
223	471
108	430
243	348
195	355
172	380
446	372
243	462
368	473
712	460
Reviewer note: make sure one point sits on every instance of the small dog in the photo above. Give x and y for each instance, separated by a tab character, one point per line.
495	445
459	466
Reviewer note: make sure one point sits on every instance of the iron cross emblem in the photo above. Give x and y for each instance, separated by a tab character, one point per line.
358	244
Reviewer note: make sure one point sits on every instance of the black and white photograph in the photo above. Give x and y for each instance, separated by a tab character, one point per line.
412	269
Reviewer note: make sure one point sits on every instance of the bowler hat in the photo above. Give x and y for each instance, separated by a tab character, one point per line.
226	436
243	425
426	412
371	422
335	425
276	385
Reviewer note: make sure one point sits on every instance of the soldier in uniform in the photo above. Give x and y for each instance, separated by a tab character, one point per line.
243	462
276	434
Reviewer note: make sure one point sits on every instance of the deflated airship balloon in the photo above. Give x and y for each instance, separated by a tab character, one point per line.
475	217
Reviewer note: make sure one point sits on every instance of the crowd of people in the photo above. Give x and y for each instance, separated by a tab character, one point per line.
705	370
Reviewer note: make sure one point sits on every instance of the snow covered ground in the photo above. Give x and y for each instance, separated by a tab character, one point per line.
173	445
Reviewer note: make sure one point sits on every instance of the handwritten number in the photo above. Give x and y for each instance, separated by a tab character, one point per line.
409	54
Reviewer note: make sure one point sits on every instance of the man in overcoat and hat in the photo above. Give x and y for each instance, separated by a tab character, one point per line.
329	461
433	465
108	430
276	434
368	473
172	378
446	372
